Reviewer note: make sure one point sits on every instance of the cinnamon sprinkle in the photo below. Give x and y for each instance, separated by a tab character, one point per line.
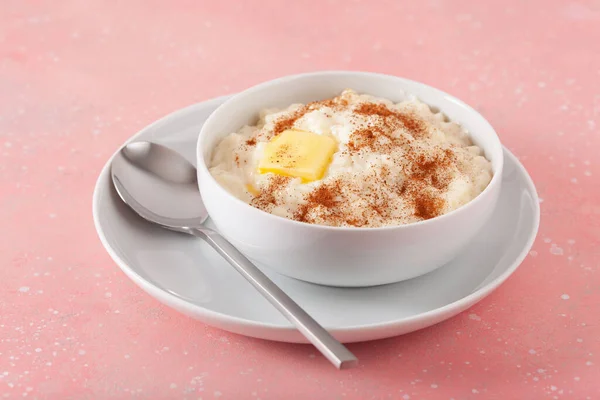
393	119
325	196
427	179
427	207
265	200
286	123
376	139
419	191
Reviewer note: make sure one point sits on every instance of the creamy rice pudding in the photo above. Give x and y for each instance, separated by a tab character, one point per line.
353	160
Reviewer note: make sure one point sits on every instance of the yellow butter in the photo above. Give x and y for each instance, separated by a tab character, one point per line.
298	154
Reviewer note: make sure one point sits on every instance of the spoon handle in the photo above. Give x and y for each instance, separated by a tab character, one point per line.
333	350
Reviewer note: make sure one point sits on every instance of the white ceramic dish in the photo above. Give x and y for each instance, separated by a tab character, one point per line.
333	255
186	274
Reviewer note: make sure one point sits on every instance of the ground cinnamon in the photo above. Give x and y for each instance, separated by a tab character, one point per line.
426	176
393	119
266	198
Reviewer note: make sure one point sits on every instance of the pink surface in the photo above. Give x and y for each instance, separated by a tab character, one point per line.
78	78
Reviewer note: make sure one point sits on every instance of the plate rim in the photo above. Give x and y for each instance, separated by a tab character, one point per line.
173	301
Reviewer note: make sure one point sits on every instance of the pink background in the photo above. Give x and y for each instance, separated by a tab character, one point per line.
77	78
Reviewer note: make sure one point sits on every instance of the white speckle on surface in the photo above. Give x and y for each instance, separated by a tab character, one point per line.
553	388
48	364
81	352
579	340
587	173
173	386
565	296
7	144
588	363
311	355
127	356
547	240
28	389
533	253
542	84
535	378
406	397
571	241
541	370
577	378
217	393
586	162
474	317
532	351
474	391
557	251
434	386
24	289
108	294
38	350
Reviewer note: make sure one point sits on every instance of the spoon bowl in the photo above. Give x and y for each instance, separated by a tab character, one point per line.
159	185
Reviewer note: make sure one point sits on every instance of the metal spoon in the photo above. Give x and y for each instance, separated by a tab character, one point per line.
161	187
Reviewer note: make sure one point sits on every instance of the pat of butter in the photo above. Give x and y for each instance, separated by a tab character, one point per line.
298	154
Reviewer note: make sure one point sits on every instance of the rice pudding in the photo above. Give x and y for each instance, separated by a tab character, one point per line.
352	160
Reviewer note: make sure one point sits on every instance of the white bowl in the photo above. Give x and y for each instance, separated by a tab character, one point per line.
341	256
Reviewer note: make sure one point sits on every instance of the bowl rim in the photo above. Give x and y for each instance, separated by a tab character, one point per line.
202	167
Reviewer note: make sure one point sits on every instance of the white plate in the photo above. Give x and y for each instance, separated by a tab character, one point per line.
187	275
